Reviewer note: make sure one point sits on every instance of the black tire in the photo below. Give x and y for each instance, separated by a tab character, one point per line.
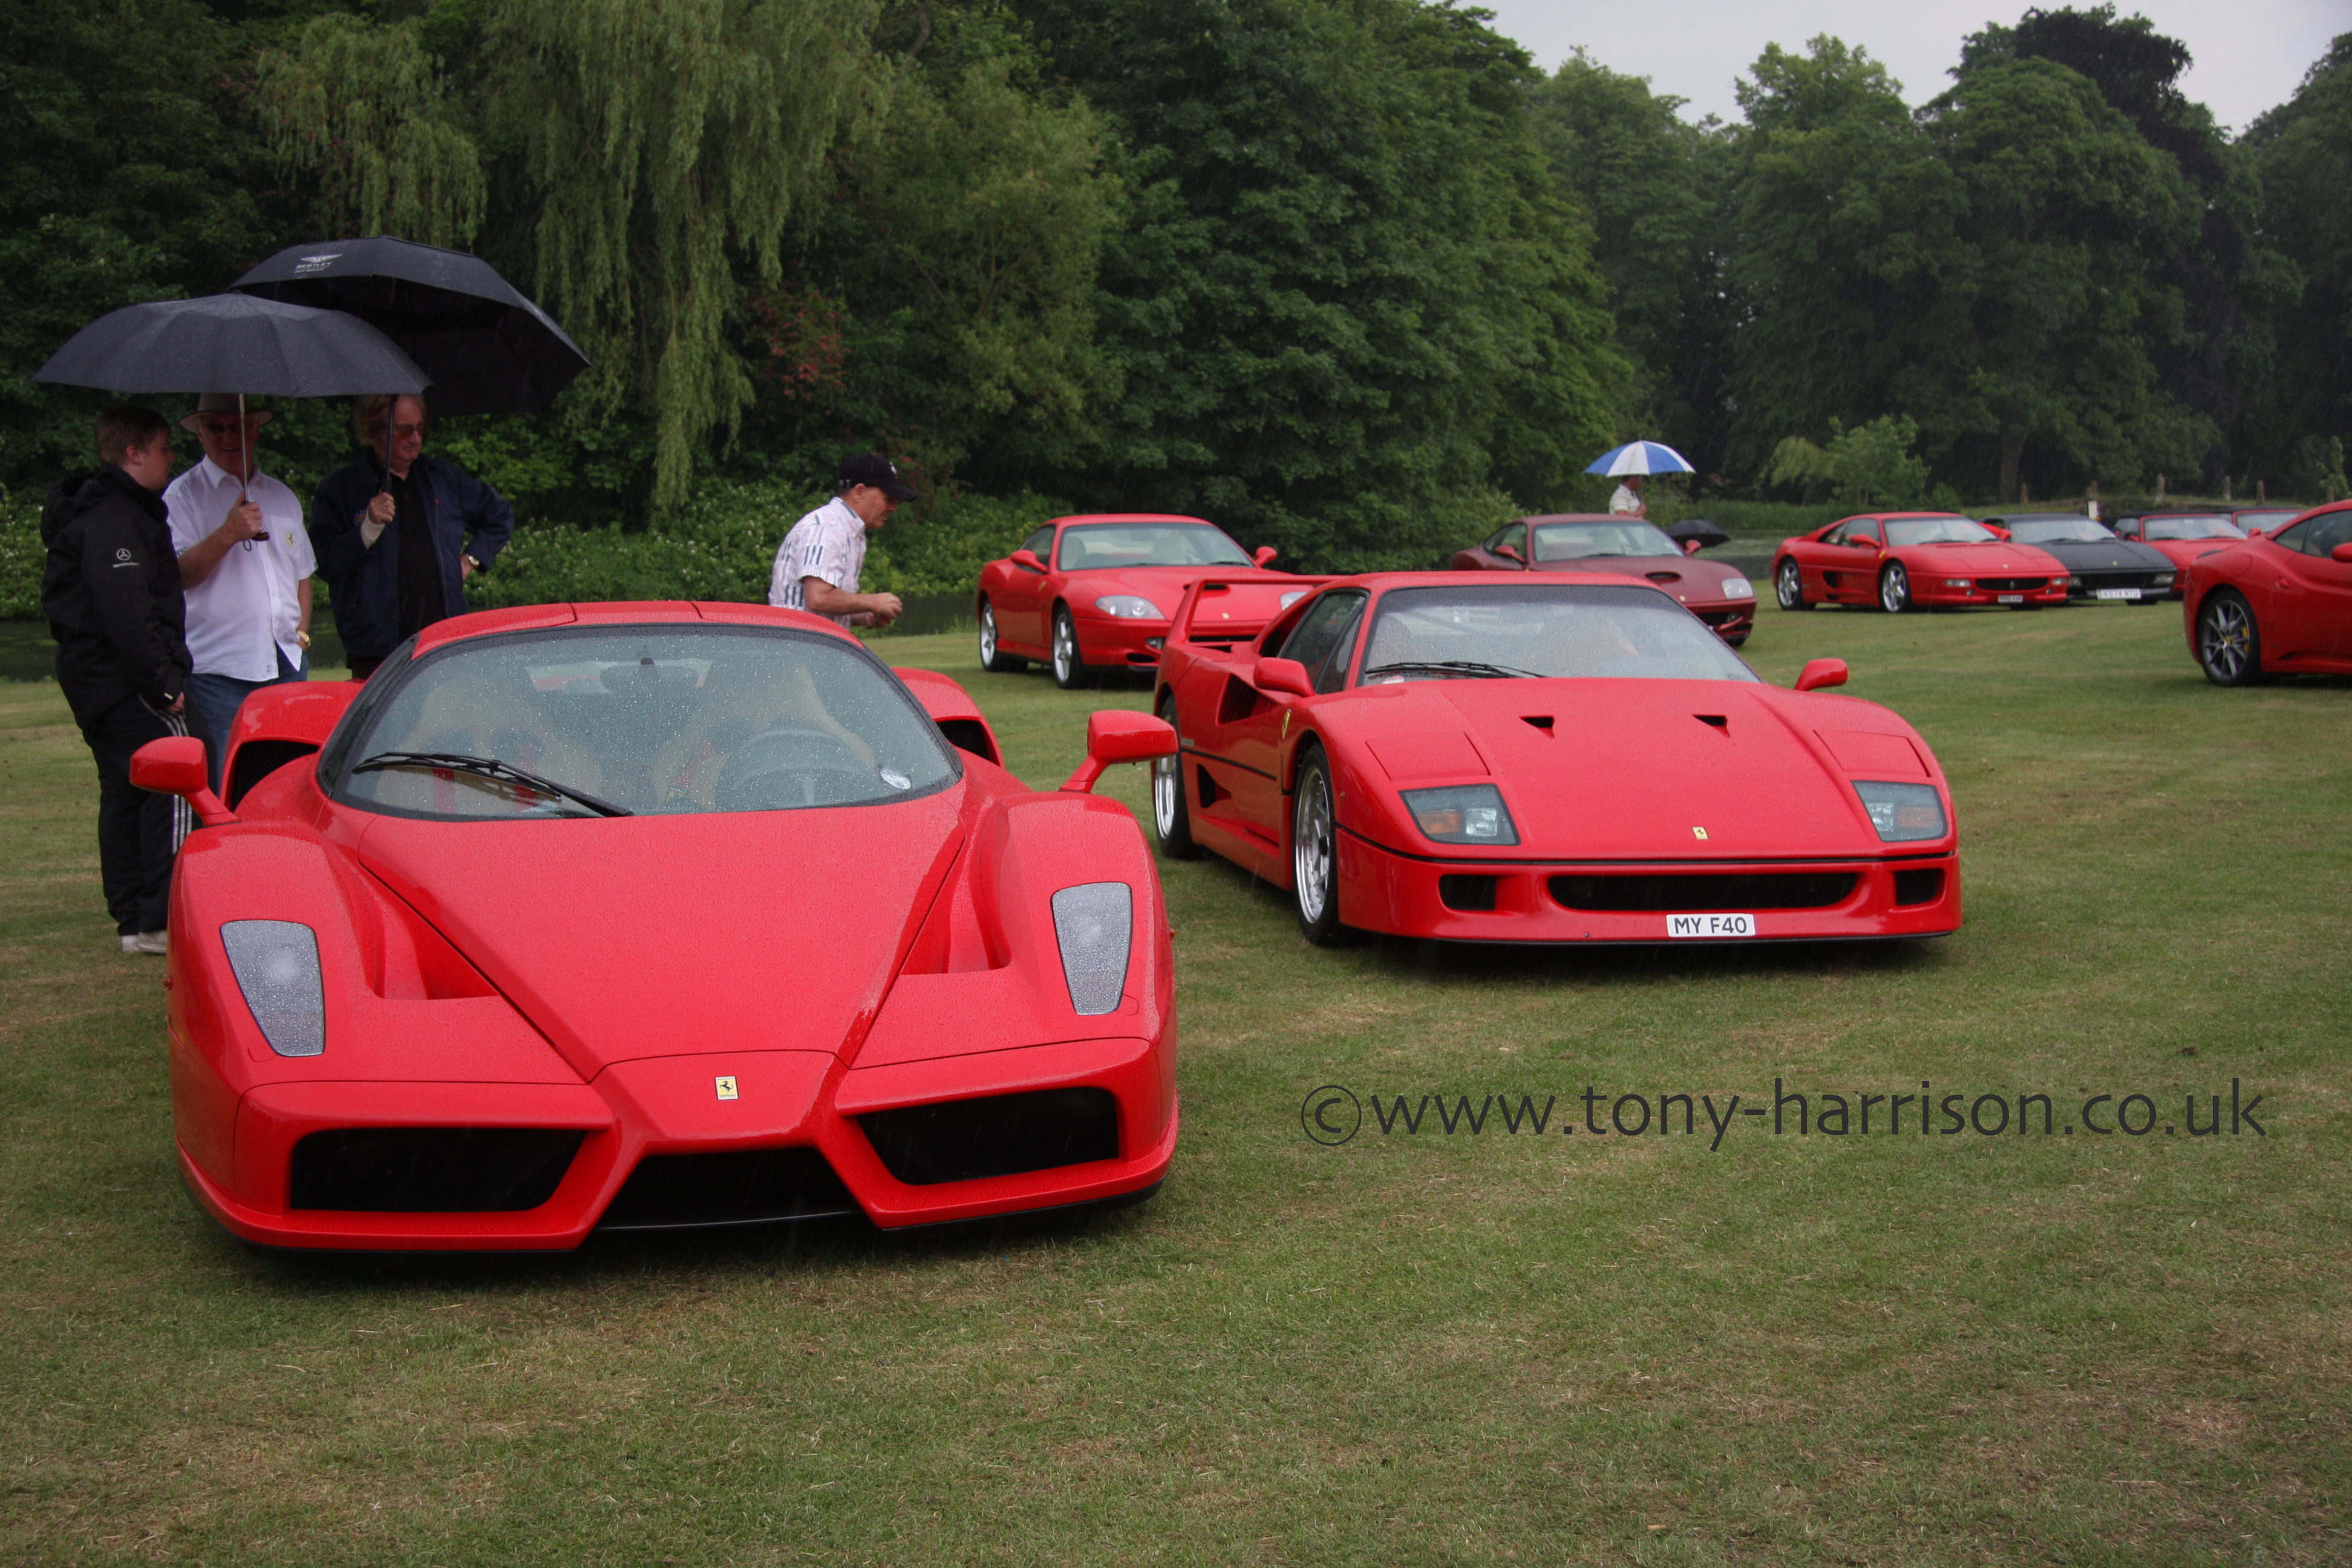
990	659
1171	805
1069	658
1315	851
1739	641
2228	643
1788	586
1894	589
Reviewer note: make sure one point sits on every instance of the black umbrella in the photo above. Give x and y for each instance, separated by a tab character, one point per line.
487	347
1698	528
226	342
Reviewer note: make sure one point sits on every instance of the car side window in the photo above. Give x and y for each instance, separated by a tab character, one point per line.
1863	532
1319	631
1839	535
2319	535
1501	537
1039	543
1334	673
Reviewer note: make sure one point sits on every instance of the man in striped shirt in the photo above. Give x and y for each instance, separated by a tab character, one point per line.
817	569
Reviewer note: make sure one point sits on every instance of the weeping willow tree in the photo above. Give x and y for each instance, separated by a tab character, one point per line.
364	110
667	146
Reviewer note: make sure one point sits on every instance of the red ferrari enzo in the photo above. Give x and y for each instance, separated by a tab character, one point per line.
1091	594
632	917
2275	604
1556	758
1626	547
1907	560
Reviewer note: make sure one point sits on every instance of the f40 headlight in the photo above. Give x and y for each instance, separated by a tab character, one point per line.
1464	813
1093	923
276	966
1903	813
1130	607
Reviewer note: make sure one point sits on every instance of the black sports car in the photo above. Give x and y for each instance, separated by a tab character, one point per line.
2101	565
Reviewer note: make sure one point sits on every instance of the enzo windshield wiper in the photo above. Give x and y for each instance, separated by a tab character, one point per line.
489	768
1454	667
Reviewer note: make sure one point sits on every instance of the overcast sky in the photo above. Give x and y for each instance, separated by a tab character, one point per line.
2250	54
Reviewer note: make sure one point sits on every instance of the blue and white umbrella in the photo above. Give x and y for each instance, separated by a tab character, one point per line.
1641	457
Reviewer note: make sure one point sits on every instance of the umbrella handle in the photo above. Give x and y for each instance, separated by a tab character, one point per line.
244	455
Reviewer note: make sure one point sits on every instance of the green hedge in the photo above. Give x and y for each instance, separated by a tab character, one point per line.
20	556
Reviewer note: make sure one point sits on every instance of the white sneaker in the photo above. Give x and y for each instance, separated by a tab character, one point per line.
153	941
129	943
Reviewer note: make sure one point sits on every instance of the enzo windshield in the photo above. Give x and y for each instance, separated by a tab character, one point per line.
1538	629
1099	545
2059	530
2192	528
655	720
1935	530
1575	541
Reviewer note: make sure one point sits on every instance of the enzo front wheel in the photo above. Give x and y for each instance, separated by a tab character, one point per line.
2229	645
1788	586
991	657
1069	664
1171	816
1894	589
1315	851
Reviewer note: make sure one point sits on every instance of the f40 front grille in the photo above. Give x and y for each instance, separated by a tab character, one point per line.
1639	893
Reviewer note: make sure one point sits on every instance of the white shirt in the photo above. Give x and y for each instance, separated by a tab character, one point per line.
830	543
243	616
1625	500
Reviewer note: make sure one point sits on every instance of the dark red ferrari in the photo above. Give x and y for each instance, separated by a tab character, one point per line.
2180	537
634	917
2275	604
1550	758
1913	559
1092	595
1718	595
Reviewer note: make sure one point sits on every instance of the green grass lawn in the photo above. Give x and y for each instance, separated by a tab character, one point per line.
1409	1348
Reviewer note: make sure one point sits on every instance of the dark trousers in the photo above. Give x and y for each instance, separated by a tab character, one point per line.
138	832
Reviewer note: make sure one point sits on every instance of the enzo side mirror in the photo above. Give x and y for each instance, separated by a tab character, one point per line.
175	765
1820	673
1283	675
1027	561
2342	552
1264	554
1115	735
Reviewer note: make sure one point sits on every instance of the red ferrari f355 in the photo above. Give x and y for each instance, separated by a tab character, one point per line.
631	917
1553	758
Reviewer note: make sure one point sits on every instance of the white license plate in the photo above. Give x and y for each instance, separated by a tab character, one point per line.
1710	925
2117	593
2009	599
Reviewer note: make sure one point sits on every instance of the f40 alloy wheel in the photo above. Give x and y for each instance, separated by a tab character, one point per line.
1171	813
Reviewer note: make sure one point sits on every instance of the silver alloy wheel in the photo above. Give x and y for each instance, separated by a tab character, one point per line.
1788	585
1167	797
2225	637
1310	844
1895	588
987	636
1067	665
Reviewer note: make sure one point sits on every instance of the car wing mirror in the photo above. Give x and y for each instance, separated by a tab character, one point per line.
2342	552
1510	552
1283	675
1996	530
1820	673
175	765
1115	735
1027	561
1263	553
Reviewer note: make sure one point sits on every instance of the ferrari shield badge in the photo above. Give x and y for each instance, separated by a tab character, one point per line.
726	1086
1698	833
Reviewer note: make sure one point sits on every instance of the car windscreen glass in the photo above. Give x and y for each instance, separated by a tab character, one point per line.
1575	541
2190	528
1903	530
1564	629
2059	530
674	719
1095	546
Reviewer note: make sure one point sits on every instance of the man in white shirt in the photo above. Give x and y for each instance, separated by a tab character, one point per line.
1627	500
244	567
816	568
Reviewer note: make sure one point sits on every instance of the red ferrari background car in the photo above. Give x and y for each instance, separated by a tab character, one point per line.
1552	757
1626	547
1912	560
2275	604
632	917
2180	537
1090	594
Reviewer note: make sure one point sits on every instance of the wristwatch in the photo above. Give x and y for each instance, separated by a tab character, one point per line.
302	638
469	561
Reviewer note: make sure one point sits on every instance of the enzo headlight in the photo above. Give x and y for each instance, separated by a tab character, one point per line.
1129	607
1094	924
1902	812
1738	588
1465	813
276	966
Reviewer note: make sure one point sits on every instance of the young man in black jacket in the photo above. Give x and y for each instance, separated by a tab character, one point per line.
112	591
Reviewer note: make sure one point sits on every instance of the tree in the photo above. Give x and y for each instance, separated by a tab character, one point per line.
1869	465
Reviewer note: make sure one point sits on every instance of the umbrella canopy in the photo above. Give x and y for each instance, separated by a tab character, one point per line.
1641	457
228	342
487	347
1707	535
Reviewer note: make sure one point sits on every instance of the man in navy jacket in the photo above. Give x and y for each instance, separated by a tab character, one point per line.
397	534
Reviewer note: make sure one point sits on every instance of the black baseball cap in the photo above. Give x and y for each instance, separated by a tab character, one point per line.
873	469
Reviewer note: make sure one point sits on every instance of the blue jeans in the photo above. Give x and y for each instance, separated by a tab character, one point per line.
214	699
